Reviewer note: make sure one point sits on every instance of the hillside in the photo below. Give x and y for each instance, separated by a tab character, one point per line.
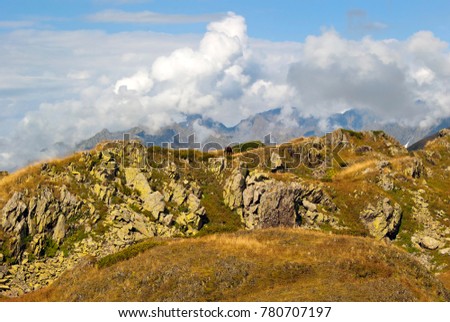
114	201
262	265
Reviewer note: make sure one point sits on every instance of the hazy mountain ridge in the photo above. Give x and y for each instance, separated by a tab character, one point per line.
281	127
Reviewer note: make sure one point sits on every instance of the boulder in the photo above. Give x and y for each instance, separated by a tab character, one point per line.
137	180
276	162
154	203
60	229
382	220
233	189
386	182
428	242
216	165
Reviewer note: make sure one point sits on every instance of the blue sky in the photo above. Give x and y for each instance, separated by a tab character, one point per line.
290	20
70	68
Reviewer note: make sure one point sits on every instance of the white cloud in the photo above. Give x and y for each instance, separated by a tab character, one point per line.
60	86
148	17
15	24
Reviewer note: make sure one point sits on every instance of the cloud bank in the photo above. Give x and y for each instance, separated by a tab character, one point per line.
76	83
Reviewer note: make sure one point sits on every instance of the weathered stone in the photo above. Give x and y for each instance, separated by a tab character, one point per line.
416	169
429	243
179	194
137	180
276	162
233	190
363	149
167	220
383	220
386	182
216	165
309	205
193	203
60	229
154	203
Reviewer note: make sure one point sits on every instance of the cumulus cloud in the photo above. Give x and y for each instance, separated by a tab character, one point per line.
148	17
68	85
387	77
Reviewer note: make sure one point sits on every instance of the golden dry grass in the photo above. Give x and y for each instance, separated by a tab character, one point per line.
265	265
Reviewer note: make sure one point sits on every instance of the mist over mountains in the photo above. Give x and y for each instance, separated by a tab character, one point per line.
282	125
218	85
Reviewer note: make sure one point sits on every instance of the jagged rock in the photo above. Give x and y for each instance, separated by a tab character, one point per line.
276	162
416	170
60	229
216	165
386	182
363	149
382	220
264	202
193	203
37	217
444	132
309	205
167	220
154	203
172	171
233	190
428	242
383	164
137	180
179	194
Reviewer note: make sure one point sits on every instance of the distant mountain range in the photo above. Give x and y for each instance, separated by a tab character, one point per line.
282	127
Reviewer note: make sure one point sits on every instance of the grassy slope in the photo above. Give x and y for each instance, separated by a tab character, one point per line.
266	265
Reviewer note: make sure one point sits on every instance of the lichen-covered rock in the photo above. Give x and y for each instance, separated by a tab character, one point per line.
216	165
31	220
262	202
137	180
276	162
233	189
416	169
382	220
154	203
427	242
60	229
386	182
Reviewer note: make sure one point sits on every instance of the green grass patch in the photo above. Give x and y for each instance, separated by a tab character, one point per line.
127	253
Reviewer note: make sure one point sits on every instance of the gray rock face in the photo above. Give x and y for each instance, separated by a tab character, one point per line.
262	202
383	220
60	229
386	182
154	203
216	165
276	162
416	169
233	190
433	234
428	242
41	217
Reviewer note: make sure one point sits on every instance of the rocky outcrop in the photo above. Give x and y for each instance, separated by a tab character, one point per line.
32	220
433	234
382	220
216	165
263	202
415	169
276	162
